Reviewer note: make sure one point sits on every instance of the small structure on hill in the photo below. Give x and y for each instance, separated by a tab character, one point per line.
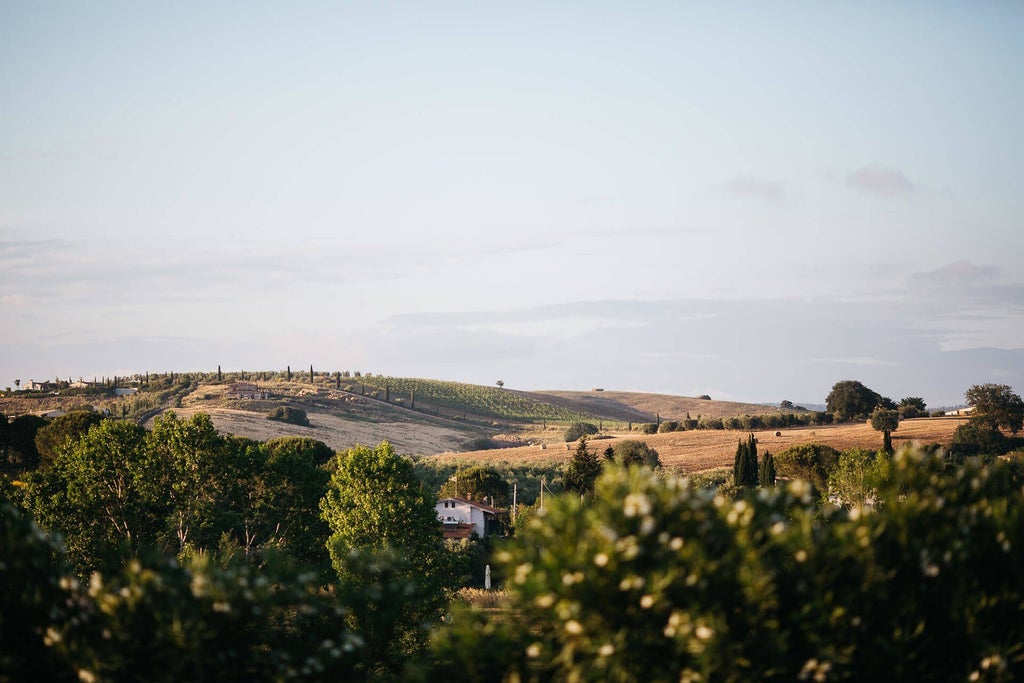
461	518
33	385
960	412
246	390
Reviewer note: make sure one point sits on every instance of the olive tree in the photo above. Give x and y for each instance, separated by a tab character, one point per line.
885	421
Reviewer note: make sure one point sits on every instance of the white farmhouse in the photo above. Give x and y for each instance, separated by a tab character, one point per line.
461	518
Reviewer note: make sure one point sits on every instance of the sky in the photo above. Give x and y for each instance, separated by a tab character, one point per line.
747	200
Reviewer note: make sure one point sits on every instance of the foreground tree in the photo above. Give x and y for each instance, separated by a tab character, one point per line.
204	470
385	532
996	405
851	400
885	421
104	493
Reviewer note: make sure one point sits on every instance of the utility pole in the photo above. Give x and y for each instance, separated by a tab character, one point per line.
514	485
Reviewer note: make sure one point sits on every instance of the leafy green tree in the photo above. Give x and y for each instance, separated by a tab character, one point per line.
633	452
912	406
155	620
578	429
18	451
851	400
584	468
810	462
203	469
886	421
856	477
104	493
978	438
384	526
996	405
479	483
62	429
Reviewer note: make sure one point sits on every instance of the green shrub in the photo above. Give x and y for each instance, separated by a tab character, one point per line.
578	429
647	428
633	452
668	426
810	462
295	416
978	438
710	423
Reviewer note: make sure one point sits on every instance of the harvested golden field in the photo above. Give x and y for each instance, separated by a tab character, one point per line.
699	450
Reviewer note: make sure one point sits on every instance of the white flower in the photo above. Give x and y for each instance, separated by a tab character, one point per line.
636	504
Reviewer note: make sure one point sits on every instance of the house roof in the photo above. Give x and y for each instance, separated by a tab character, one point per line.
482	506
457	531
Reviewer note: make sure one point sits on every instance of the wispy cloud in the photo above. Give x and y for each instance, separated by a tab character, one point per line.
881	180
752	186
863	360
958	272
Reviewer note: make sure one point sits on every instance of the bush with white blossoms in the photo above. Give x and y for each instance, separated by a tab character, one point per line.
656	581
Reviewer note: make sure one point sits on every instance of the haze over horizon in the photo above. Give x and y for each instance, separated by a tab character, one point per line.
752	203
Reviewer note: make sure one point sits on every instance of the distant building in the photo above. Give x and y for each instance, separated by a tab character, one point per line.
960	411
125	391
461	518
33	385
246	390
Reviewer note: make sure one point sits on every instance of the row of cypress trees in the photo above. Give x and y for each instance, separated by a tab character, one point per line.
747	471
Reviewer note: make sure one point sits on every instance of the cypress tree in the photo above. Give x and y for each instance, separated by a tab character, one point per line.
766	473
311	373
744	469
289	370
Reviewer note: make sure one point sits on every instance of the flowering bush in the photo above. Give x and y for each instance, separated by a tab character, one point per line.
656	581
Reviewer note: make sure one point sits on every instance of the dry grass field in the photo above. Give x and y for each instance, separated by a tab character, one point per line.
699	450
411	438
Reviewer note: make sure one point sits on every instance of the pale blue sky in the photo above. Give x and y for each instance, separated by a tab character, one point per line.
680	197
